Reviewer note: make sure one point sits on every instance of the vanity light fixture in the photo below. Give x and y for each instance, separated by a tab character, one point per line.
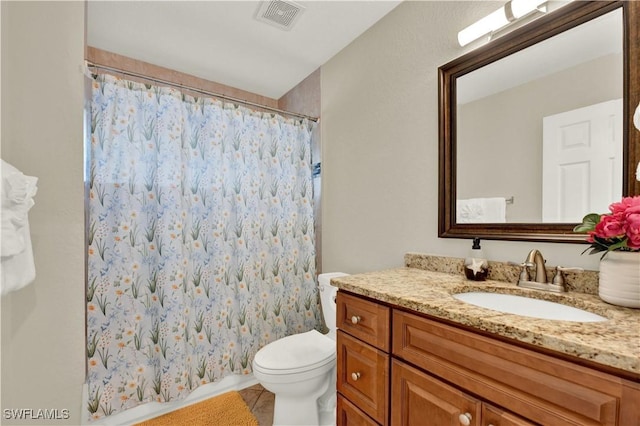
507	14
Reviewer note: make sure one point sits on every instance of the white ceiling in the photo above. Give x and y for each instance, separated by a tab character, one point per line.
222	41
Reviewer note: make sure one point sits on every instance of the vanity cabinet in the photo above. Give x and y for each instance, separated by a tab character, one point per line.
493	416
349	414
417	396
363	344
442	374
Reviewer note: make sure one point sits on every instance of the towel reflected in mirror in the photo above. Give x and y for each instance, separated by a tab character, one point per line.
481	210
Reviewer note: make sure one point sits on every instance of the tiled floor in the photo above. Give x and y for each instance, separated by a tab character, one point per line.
260	401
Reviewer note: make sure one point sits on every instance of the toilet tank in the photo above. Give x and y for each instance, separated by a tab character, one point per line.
328	298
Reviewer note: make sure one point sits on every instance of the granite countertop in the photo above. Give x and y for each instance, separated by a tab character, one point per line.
613	343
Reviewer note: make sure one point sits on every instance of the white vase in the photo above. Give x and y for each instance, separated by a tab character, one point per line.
619	279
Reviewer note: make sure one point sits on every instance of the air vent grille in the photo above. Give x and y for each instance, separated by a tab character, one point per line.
282	14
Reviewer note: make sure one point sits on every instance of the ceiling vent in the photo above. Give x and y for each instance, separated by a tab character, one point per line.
279	13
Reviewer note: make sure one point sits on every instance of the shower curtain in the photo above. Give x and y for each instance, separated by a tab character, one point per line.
200	241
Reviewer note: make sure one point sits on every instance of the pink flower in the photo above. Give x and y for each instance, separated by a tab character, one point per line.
625	204
633	230
610	226
618	230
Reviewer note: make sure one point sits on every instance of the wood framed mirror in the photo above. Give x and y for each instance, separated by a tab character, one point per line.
490	158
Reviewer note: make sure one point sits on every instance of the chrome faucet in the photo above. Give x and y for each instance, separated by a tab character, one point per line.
540	282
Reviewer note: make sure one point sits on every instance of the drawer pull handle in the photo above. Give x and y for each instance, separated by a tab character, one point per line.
465	419
355	319
355	376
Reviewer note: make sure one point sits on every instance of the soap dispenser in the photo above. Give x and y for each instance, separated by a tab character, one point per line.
476	267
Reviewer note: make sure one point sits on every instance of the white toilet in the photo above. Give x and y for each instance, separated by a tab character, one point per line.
300	369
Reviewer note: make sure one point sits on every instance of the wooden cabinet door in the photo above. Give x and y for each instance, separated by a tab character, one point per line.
419	399
363	376
494	416
349	415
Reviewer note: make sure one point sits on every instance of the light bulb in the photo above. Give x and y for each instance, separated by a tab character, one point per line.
489	23
520	8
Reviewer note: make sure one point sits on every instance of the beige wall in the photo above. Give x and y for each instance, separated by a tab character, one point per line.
380	144
42	100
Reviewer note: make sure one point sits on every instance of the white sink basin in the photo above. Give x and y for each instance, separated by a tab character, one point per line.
528	307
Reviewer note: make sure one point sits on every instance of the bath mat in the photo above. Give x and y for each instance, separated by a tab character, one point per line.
228	409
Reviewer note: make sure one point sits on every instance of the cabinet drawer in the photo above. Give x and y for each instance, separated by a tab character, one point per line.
494	416
368	321
419	399
349	415
363	376
541	388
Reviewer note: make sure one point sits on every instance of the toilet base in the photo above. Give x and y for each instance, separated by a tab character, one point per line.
293	411
328	418
313	409
307	412
301	398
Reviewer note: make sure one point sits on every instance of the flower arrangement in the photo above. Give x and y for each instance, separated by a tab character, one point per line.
615	231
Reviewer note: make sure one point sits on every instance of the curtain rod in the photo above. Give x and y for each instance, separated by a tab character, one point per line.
203	92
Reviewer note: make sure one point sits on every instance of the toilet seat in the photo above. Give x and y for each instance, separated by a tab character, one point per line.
297	353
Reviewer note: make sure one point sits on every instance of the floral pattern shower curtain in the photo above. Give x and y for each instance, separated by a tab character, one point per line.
201	241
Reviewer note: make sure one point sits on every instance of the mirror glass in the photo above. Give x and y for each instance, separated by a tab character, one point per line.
539	133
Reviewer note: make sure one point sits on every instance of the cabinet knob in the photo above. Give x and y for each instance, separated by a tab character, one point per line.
465	419
355	376
355	319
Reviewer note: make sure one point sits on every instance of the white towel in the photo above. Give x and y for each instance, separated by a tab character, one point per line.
19	270
17	192
481	210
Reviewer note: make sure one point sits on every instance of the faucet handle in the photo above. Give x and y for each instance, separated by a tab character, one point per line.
524	273
571	269
559	278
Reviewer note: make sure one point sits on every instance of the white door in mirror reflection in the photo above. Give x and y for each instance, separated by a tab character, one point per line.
582	162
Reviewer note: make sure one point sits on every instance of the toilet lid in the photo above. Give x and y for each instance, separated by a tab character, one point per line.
299	351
